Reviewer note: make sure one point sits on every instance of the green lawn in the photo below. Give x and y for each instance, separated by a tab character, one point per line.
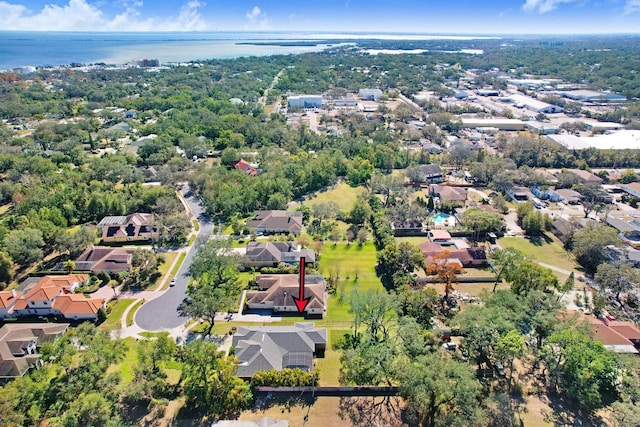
117	308
548	250
168	260
342	194
329	367
347	262
132	312
176	268
126	366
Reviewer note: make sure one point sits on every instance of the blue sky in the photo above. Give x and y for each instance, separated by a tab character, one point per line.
422	16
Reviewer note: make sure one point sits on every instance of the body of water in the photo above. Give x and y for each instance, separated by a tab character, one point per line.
24	49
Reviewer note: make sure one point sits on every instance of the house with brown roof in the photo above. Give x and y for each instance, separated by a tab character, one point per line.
137	227
19	344
276	291
53	296
246	167
448	194
467	257
587	177
569	196
276	222
440	237
615	335
99	259
270	254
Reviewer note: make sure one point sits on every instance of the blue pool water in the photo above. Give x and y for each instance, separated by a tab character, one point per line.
441	217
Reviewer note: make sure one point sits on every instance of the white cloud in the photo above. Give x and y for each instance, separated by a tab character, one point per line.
632	6
80	15
543	6
254	14
257	20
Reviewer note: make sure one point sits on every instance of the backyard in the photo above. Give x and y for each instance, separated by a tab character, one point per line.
547	249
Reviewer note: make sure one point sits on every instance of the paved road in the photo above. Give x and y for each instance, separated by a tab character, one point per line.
161	314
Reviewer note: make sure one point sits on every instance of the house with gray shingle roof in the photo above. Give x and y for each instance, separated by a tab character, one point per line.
431	173
259	348
270	254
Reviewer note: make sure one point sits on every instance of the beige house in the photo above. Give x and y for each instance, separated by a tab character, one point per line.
276	292
132	228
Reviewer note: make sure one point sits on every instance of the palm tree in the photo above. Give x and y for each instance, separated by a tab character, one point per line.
69	266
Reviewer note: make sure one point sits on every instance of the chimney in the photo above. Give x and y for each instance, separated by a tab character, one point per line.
13	293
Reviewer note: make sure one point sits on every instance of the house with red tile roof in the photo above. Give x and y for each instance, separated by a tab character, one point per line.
616	335
53	296
246	167
7	302
276	291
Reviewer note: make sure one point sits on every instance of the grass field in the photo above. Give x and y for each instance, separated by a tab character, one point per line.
548	250
355	268
342	194
117	308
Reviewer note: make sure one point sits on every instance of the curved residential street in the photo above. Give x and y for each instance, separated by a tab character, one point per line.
161	313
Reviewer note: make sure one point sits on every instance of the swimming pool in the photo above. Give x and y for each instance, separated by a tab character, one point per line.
442	218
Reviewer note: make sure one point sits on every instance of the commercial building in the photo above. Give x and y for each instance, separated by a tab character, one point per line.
534	104
500	124
305	101
592	96
619	140
370	94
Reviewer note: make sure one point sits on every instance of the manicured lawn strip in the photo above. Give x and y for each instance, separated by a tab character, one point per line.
191	240
548	251
168	260
117	308
196	224
132	312
342	194
176	268
147	334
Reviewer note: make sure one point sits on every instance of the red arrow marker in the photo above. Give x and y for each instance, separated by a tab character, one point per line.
301	301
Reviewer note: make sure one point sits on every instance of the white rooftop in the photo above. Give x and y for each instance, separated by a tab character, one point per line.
620	140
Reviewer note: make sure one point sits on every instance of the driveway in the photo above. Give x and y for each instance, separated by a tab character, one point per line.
161	313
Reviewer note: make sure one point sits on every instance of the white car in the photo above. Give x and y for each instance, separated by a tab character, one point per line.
172	282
